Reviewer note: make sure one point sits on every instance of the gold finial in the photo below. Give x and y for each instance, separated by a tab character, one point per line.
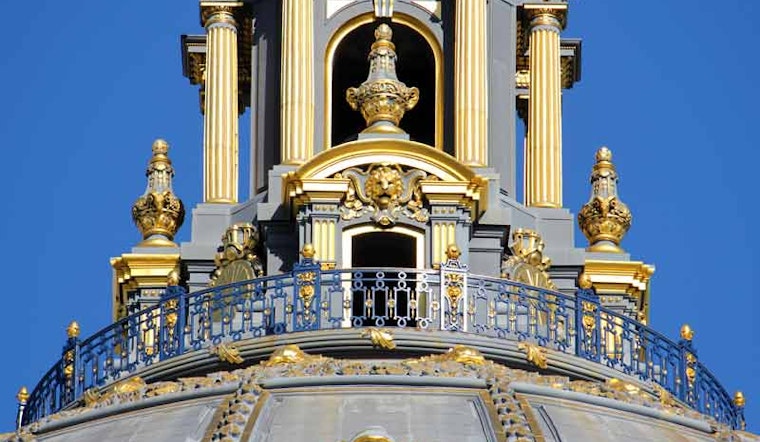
158	213
739	400
382	99
383	36
604	154
584	281
453	252
687	334
308	251
72	331
22	396
173	278
160	147
604	219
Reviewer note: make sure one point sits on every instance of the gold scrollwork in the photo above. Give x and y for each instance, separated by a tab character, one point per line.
454	285
460	353
527	264
236	259
385	191
306	291
589	318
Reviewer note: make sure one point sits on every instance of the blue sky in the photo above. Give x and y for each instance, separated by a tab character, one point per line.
670	88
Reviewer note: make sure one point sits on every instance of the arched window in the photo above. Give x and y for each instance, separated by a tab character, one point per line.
419	64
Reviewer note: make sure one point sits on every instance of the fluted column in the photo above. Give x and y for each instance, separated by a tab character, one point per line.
470	76
220	139
297	84
543	152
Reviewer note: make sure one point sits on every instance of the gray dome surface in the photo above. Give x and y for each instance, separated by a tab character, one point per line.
458	395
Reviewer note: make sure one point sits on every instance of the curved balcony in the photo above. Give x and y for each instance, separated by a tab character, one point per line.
449	298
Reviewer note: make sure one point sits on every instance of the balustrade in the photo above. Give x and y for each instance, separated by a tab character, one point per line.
448	298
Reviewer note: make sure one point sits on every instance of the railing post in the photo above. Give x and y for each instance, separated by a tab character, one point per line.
70	365
172	321
22	397
182	313
739	403
453	297
306	301
587	325
688	367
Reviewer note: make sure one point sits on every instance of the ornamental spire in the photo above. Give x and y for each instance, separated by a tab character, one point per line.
158	213
604	219
382	99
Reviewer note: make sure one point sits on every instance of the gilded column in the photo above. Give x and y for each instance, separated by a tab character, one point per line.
471	99
543	152
220	139
297	83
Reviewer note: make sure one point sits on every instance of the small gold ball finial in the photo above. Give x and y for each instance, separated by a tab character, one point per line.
308	251
453	252
584	281
739	400
72	331
383	32
173	278
687	334
160	147
22	396
603	154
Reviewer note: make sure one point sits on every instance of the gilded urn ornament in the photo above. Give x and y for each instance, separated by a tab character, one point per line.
604	219
382	99
158	213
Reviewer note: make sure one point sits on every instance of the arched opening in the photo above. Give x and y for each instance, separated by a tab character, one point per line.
419	64
381	292
383	249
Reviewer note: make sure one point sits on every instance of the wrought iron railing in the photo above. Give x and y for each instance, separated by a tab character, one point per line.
448	298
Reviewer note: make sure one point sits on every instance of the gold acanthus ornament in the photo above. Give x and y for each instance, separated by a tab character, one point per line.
380	337
158	213
385	191
226	353
289	354
527	264
236	259
604	219
382	99
534	354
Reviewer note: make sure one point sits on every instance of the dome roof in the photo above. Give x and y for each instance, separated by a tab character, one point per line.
456	395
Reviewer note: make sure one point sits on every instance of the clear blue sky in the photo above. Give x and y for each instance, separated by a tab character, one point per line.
670	87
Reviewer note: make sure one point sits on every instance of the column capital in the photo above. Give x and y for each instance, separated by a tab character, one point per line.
550	15
220	12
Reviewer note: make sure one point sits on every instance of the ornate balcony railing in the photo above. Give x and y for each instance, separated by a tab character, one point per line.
448	298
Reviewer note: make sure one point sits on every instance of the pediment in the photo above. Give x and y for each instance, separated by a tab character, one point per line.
439	176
